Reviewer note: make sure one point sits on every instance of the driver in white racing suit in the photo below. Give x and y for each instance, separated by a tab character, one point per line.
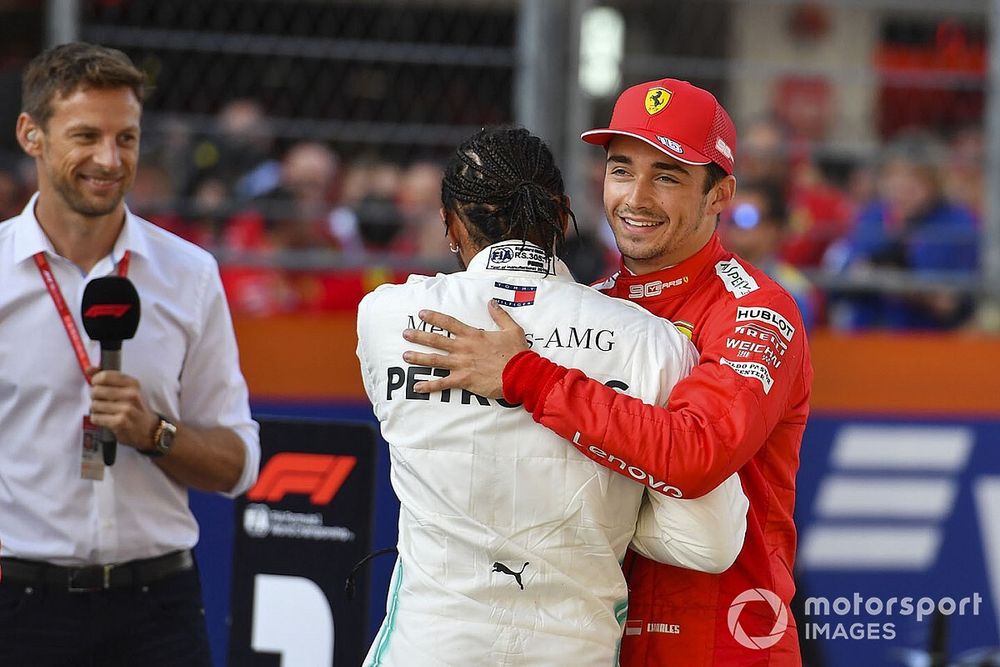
510	543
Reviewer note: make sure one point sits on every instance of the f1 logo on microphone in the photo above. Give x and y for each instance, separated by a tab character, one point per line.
319	476
114	310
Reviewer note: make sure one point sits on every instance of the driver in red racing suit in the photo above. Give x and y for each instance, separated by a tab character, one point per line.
743	408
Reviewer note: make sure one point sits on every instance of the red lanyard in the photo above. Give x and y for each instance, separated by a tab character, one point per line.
67	319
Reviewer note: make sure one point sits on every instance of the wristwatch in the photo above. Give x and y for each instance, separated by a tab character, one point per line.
163	438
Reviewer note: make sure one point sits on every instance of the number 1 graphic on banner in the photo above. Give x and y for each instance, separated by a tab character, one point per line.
283	607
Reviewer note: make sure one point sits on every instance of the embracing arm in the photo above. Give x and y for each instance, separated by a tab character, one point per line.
716	420
717	417
704	534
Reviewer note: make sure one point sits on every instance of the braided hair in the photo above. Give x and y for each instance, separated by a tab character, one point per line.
504	184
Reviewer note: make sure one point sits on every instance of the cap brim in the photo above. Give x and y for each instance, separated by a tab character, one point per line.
604	136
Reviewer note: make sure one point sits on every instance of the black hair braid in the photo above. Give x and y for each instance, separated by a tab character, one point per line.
504	184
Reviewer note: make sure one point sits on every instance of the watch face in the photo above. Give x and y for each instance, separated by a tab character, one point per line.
167	433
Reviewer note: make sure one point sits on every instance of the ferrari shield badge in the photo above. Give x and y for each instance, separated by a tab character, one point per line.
656	100
685	328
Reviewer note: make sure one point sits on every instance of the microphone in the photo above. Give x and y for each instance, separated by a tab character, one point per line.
110	314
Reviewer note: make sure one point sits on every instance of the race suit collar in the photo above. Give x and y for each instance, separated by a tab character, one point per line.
517	257
672	281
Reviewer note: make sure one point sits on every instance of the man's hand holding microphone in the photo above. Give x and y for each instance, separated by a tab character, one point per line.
110	313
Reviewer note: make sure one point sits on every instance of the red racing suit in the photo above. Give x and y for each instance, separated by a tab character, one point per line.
743	409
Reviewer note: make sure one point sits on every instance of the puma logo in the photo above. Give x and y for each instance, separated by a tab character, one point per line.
500	567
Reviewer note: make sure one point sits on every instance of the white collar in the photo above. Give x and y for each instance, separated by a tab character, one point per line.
518	257
30	239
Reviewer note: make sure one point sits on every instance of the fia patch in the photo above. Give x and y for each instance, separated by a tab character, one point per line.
519	256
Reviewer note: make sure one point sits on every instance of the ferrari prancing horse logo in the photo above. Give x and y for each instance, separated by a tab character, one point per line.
657	100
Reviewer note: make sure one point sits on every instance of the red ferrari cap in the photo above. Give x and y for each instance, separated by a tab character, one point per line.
684	121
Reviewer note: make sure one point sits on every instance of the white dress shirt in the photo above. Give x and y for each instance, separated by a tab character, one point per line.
185	358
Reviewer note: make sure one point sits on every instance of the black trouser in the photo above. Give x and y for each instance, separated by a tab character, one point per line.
159	624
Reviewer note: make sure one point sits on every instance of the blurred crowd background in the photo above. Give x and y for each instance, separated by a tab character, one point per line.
301	141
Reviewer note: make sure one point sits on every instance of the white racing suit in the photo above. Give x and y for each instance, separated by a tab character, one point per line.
510	542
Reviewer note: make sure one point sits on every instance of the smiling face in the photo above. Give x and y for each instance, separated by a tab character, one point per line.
88	151
657	206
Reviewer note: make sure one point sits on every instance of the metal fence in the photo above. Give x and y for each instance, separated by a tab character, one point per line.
818	90
398	78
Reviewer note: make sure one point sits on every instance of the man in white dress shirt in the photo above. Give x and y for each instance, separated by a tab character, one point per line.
96	560
510	542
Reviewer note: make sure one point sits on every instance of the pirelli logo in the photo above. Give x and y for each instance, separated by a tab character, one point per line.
768	316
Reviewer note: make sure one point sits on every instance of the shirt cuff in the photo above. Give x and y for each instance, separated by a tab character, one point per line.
528	378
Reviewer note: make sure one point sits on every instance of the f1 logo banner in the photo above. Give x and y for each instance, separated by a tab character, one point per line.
318	475
299	531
